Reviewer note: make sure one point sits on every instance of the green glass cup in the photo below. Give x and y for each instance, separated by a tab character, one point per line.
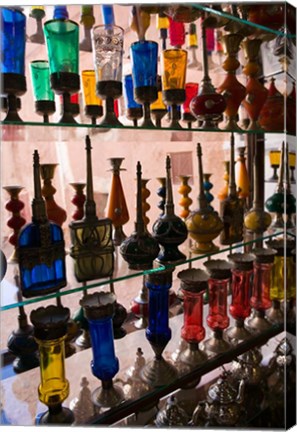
43	94
62	40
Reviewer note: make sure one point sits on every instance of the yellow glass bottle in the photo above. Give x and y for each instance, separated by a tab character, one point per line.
50	328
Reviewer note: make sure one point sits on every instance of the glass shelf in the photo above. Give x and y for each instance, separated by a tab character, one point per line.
122	273
243	21
37	131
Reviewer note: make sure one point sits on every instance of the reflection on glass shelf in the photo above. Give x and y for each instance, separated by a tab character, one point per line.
122	273
239	20
12	131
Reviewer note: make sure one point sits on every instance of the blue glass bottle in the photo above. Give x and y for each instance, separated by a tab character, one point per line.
107	14
99	309
41	248
144	59
133	109
60	12
158	372
13	38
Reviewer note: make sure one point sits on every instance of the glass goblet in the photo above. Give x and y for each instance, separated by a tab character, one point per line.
144	57
93	104
43	94
134	110
107	41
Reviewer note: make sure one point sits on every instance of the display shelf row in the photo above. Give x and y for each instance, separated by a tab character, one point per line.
122	272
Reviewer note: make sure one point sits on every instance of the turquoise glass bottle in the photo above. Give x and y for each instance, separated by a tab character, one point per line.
40	248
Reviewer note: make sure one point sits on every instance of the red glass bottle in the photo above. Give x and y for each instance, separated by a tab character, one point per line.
217	319
191	92
177	33
194	283
240	285
260	299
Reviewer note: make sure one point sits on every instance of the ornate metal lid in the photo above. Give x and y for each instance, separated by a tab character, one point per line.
162	277
50	322
242	261
194	280
172	414
264	255
222	391
281	244
219	269
98	305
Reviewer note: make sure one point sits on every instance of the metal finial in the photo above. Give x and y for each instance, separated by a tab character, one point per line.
201	197
169	206
38	204
90	206
280	185
139	225
232	184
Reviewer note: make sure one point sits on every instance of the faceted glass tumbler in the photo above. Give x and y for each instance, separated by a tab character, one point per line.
41	80
62	40
12	41
107	43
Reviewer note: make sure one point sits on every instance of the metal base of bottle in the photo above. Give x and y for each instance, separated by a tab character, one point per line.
84	340
231	125
202	248
141	323
108	397
275	314
238	333
255	126
158	372
13	259
62	416
25	363
193	356
118	236
258	322
216	344
209	122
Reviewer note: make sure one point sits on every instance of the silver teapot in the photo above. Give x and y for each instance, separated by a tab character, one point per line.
172	415
223	404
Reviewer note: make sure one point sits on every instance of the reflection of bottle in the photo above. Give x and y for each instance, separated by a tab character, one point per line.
41	248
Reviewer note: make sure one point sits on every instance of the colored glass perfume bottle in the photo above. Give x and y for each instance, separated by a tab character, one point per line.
231	208
78	200
169	230
260	298
40	247
203	224
50	326
158	372
140	249
144	58
208	106
43	94
12	63
241	176
283	277
99	309
177	33
158	108
194	283
207	185
241	284
191	92
192	47
62	40
117	209
162	25
55	213
134	110
92	248
224	191
185	201
217	318
93	104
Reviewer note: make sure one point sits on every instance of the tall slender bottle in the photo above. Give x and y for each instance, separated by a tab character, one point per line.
41	247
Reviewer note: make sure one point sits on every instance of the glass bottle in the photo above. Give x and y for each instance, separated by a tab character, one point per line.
158	372
260	298
50	327
194	283
241	175
217	318
87	20
43	94
99	308
224	191
117	209
283	277
241	287
40	248
92	103
185	201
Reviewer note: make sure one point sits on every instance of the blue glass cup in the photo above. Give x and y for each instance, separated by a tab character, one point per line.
99	309
133	109
12	64
158	372
144	58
